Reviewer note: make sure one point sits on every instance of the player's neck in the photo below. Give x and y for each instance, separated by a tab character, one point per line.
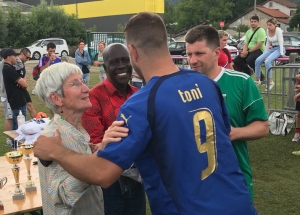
215	72
158	67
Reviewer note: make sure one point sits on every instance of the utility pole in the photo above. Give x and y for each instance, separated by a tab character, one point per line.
76	8
255	7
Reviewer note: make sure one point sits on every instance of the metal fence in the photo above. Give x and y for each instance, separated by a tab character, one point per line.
281	97
92	39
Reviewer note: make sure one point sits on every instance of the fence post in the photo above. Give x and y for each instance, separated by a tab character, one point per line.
88	42
291	83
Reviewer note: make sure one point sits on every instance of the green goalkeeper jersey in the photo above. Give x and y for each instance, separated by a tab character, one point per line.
245	105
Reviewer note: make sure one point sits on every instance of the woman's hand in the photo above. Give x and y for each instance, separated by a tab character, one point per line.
284	56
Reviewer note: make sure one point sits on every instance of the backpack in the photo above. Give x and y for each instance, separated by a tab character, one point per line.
36	70
281	123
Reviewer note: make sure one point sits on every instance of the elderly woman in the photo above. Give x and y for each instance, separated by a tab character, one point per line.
62	89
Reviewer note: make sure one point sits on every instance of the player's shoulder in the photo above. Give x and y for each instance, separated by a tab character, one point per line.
236	75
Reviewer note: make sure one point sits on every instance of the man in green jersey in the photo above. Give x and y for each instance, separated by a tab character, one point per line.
248	117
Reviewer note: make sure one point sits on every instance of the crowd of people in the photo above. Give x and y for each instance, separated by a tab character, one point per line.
178	135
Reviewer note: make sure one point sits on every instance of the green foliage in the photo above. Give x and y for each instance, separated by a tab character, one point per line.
93	29
243	28
295	20
43	21
120	27
242	5
3	28
191	12
169	16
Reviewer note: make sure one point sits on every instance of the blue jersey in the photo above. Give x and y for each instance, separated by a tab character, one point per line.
181	121
44	60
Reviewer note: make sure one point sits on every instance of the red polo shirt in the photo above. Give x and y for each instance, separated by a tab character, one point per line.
106	101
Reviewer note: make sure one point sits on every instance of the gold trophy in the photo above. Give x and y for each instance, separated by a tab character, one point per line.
27	149
2	183
14	158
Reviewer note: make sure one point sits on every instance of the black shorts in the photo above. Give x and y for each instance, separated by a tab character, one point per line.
27	96
297	106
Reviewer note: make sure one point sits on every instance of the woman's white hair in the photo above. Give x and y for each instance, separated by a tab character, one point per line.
52	79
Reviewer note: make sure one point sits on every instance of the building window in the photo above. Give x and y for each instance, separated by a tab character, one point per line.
270	4
292	12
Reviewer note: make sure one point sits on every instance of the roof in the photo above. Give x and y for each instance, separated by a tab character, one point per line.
24	7
285	21
272	12
283	2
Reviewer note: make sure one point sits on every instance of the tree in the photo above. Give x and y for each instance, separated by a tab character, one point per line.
191	12
241	6
16	27
52	21
295	20
169	16
3	28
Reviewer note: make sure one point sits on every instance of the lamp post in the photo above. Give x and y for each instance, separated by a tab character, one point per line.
255	7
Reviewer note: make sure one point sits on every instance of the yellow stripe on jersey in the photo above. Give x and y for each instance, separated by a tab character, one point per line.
114	7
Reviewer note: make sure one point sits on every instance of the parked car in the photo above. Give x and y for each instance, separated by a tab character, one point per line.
232	42
39	48
177	48
170	40
233	51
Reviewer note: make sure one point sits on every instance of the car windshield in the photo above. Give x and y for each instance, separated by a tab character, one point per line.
36	43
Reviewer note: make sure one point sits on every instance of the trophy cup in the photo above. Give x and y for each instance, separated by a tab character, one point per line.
14	158
27	149
2	183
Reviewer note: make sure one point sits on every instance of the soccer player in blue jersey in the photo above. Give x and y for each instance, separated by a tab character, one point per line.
179	119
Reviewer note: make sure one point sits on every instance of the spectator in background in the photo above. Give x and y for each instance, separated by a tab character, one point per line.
274	49
297	130
225	60
7	110
254	46
49	59
83	61
125	196
100	62
15	86
20	67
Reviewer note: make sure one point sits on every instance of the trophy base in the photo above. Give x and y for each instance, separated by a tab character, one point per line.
1	207
18	196
30	189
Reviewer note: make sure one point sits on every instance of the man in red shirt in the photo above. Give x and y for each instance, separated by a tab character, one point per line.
127	195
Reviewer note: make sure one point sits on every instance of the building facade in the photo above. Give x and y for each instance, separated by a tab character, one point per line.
106	15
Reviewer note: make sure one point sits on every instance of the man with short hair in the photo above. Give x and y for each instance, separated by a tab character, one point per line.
6	106
179	121
83	61
248	117
47	60
20	67
15	86
50	58
126	196
251	49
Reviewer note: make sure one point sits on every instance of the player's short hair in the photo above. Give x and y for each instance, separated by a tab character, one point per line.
203	33
51	46
146	32
255	17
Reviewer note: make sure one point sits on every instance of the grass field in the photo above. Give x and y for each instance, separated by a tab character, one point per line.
275	169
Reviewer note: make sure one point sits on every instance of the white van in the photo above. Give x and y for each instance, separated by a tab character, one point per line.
39	48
